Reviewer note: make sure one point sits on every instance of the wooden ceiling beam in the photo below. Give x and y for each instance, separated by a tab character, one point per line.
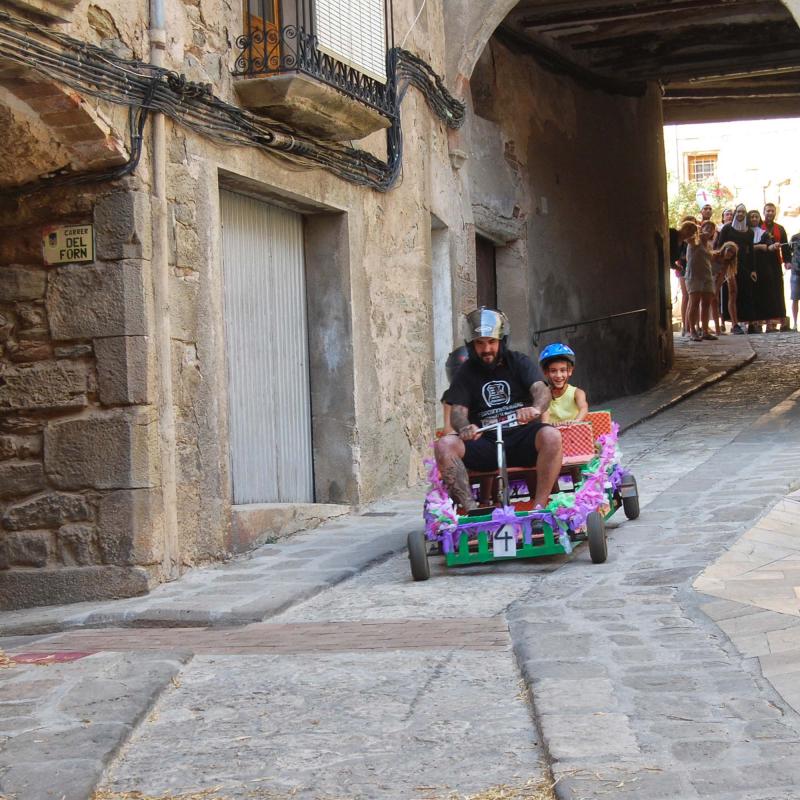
555	62
694	36
731	94
685	71
611	13
782	81
669	20
742	53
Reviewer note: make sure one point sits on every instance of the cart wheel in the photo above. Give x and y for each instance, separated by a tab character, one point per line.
630	505
596	533
418	556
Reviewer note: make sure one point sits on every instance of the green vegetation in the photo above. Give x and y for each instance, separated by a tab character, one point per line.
684	202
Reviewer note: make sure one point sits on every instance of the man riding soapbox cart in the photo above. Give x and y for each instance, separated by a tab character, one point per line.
591	487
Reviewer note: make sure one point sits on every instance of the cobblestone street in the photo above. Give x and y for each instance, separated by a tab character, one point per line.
670	671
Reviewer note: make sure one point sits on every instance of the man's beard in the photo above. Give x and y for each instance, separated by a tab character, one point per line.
492	362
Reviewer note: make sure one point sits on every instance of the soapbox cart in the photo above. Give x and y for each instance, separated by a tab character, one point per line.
591	486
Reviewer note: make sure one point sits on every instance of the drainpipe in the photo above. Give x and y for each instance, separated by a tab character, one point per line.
163	337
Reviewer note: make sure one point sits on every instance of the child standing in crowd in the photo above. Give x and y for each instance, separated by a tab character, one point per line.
700	282
727	257
569	403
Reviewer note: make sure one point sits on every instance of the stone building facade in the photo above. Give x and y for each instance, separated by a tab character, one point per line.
125	411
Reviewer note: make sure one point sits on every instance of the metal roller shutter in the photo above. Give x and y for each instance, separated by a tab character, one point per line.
267	349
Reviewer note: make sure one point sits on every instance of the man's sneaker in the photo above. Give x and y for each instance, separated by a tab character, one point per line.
737	329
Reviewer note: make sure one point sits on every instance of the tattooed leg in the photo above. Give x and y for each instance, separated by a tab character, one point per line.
449	452
454	475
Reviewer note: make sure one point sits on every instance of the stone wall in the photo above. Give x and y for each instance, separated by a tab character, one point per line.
79	465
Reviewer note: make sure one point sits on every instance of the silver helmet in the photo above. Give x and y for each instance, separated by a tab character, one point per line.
486	323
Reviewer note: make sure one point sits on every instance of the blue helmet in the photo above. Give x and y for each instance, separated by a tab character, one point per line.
557	352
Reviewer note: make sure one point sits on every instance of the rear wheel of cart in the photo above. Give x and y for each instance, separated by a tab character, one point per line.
630	496
418	556
596	534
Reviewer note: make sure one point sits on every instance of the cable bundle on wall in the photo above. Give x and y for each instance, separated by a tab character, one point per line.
101	74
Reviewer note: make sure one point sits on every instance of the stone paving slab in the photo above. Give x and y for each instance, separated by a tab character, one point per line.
759	575
360	726
60	724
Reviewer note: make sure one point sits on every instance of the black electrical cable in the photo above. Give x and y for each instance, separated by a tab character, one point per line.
101	74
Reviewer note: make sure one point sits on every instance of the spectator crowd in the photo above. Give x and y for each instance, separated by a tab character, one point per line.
733	271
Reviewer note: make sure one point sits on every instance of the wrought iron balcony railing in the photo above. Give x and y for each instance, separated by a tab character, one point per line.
290	36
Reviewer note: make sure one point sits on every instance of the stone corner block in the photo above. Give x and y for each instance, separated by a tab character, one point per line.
118	451
122	227
124	370
24	588
97	300
131	527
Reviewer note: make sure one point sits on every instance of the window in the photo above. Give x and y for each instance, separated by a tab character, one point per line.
702	167
353	32
262	26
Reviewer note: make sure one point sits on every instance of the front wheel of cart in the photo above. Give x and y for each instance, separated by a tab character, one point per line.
630	496
596	534
418	556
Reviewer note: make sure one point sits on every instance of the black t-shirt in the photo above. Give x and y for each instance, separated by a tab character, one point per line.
491	392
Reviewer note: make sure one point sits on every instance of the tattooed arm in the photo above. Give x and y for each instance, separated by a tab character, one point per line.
459	419
540	395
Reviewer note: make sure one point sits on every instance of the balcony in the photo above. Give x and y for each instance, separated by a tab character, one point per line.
318	65
51	10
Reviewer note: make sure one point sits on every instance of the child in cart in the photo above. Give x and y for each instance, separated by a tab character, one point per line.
569	403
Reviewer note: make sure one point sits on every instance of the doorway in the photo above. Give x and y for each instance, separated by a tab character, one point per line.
269	398
485	271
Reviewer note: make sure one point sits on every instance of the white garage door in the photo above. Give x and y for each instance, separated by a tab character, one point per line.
267	347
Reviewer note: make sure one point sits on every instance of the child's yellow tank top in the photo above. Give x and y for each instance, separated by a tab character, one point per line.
564	408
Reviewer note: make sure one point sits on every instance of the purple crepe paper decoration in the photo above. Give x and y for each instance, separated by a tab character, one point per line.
441	523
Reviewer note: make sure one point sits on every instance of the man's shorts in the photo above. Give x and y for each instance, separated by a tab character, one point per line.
794	284
520	442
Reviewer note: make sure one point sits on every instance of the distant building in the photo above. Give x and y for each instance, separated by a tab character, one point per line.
758	160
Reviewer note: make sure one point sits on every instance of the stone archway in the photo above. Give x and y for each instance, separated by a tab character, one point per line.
49	129
471	24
